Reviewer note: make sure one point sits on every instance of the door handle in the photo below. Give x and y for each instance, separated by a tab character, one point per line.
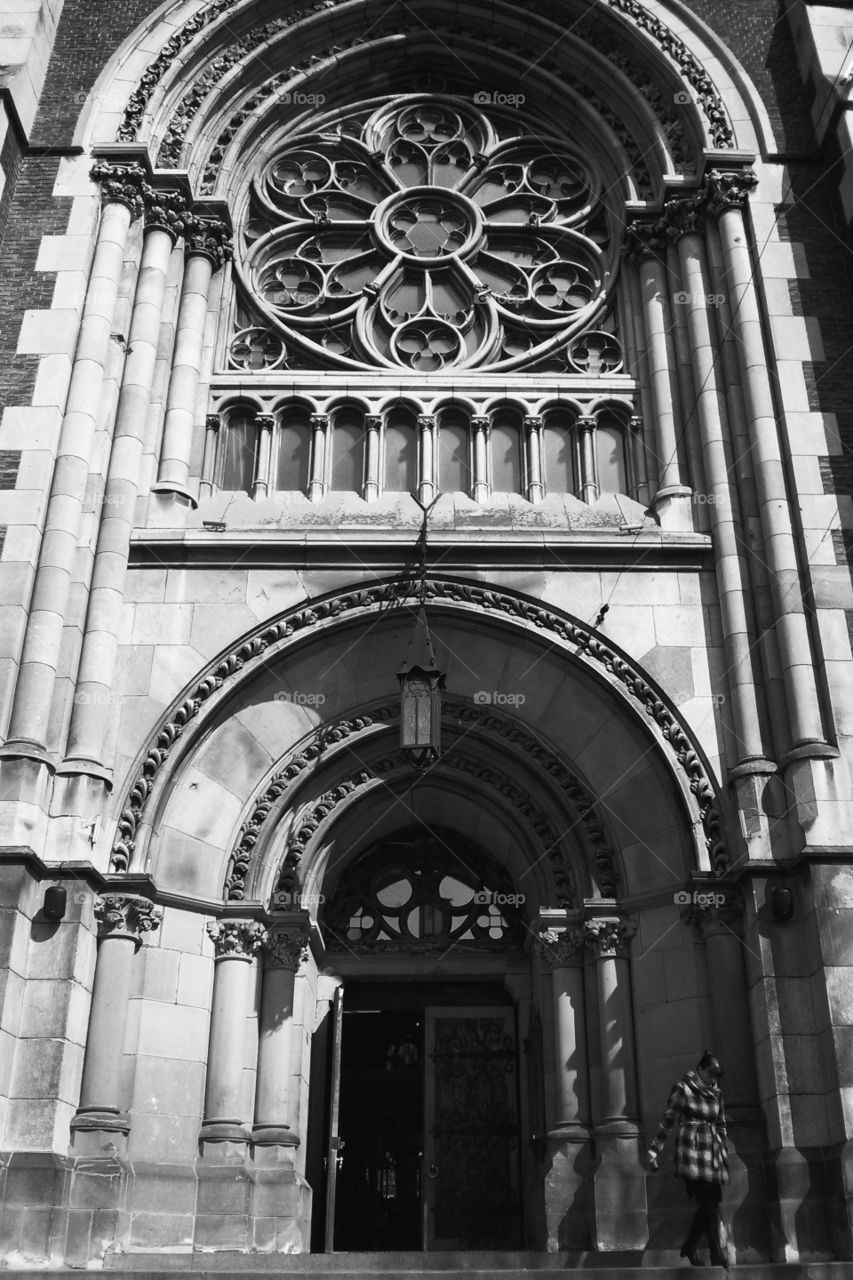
432	1171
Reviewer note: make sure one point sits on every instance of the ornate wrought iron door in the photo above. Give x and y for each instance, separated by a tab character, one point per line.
471	1153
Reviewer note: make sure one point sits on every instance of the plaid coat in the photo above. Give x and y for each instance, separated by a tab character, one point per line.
701	1149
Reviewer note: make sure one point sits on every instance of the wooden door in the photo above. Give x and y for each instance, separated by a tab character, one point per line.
471	1185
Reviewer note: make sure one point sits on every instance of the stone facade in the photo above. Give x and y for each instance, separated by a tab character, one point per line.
528	330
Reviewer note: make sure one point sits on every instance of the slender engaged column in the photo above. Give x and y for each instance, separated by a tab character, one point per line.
728	194
533	439
621	1220
283	953
264	425
319	436
236	943
100	1121
589	482
207	246
732	576
481	426
212	424
427	486
90	715
638	451
563	953
122	202
373	425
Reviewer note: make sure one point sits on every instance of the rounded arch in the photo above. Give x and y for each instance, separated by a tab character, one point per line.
585	701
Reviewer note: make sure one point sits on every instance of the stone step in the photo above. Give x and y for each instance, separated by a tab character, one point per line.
441	1266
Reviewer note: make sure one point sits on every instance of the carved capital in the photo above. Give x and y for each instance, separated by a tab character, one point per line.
208	238
635	422
213	421
372	421
682	217
319	421
561	947
645	240
426	421
164	211
608	936
264	421
480	422
532	423
120	184
714	914
727	189
283	950
121	916
586	422
236	939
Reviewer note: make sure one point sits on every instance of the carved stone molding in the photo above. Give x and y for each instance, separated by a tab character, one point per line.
608	937
208	238
365	601
236	939
120	184
560	948
122	916
283	950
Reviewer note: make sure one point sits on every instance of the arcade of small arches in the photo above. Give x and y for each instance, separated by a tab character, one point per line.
560	450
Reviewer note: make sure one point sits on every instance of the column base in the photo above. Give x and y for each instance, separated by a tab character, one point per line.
619	1190
568	1164
224	1140
100	1132
673	507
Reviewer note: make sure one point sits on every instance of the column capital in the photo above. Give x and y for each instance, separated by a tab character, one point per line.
319	421
208	238
635	423
645	240
426	421
586	421
727	189
120	184
561	948
264	421
236	939
164	211
533	422
285	950
609	936
121	916
212	421
714	919
481	422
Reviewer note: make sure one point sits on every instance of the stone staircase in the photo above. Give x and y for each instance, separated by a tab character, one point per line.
431	1266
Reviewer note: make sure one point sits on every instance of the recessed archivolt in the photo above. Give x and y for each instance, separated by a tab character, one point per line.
189	717
638	75
284	791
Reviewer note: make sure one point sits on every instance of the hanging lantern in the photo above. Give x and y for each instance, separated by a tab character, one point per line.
420	691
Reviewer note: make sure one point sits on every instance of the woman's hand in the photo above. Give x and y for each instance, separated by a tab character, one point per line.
652	1161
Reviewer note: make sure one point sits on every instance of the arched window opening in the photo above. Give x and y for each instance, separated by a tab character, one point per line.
239	453
559	448
454	461
347	453
401	454
610	455
293	464
506	454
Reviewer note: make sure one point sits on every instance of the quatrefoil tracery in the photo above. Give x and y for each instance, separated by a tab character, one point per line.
419	238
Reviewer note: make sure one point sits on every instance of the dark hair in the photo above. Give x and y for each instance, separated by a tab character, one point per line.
709	1062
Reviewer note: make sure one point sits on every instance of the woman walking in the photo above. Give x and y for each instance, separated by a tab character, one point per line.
701	1152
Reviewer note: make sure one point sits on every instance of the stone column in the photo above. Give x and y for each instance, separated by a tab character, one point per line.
533	440
480	489
746	723
672	500
727	194
263	424
206	248
619	1181
319	435
212	424
121	194
90	716
588	480
372	425
568	1151
100	1125
427	487
224	1131
283	953
638	450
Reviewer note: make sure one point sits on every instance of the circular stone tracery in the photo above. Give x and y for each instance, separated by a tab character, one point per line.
428	235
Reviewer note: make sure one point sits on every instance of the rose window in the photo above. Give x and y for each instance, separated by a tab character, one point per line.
429	236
